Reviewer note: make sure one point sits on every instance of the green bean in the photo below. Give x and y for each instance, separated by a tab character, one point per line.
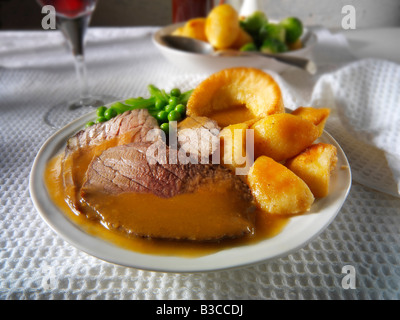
184	97
131	101
153	112
157	93
140	103
161	105
119	107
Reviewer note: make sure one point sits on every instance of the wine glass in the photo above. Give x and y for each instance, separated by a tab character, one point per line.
73	18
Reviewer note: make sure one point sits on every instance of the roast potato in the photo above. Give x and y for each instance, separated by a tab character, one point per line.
178	31
242	38
318	116
195	28
277	190
314	166
222	26
282	136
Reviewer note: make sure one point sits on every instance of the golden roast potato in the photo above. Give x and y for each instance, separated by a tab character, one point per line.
318	116
222	26
282	136
195	28
242	38
314	166
277	190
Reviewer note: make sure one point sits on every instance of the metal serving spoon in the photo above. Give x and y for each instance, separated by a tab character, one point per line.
198	46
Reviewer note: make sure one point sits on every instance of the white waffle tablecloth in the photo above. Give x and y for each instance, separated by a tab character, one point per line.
36	71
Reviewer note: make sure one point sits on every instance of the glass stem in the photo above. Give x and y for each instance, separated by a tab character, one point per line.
81	73
74	31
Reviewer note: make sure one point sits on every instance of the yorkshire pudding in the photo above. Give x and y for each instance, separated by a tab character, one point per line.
235	95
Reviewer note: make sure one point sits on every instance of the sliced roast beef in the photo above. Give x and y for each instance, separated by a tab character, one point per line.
131	126
136	123
208	201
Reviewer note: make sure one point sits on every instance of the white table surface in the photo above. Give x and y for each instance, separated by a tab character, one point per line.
36	72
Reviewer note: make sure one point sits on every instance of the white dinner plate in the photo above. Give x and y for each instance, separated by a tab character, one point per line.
297	233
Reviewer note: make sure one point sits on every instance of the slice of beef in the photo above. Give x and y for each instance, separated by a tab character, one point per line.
128	170
131	126
136	123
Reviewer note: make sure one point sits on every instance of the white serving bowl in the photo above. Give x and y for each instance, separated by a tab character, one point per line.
197	62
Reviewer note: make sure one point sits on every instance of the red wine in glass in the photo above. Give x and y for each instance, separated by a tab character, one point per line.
73	18
71	8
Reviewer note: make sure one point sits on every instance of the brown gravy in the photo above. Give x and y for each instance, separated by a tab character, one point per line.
265	226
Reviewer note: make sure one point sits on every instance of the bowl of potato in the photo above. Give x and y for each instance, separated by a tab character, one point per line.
225	30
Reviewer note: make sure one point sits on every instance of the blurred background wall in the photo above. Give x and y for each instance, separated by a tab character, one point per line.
26	14
369	13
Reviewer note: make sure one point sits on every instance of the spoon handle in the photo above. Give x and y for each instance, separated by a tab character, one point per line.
299	62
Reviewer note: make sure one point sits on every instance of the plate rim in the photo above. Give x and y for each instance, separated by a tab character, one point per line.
100	248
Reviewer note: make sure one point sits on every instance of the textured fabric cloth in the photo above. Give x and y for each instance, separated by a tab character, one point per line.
36	72
366	101
364	98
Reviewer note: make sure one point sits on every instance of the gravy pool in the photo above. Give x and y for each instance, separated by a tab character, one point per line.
265	226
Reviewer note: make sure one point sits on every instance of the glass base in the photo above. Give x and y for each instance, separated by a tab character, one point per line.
65	112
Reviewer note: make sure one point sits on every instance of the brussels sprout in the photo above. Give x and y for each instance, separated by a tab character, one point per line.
273	46
293	27
253	22
249	47
272	31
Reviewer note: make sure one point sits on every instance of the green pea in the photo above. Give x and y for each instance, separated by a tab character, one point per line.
159	104
181	109
101	119
100	111
165	127
174	116
89	124
162	116
169	108
173	101
110	113
175	92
